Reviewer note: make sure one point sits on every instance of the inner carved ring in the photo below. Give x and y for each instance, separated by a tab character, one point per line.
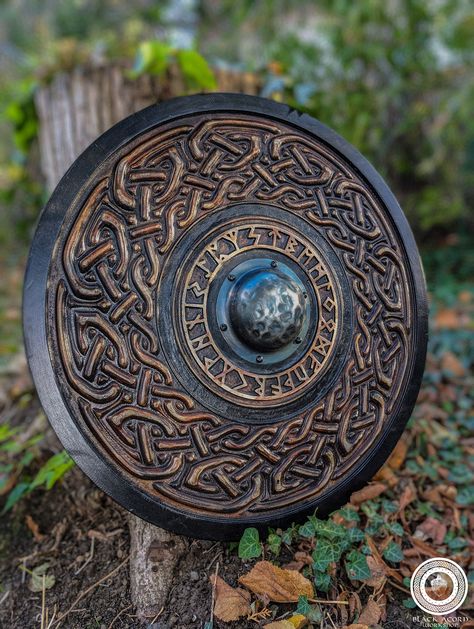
245	383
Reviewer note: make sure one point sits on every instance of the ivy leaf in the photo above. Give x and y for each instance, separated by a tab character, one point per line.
355	535
196	69
322	581
396	528
311	612
349	514
356	566
328	529
288	535
307	529
249	545
325	553
465	496
274	543
393	553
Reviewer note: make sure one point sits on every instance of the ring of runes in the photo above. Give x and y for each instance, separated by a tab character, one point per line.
225	315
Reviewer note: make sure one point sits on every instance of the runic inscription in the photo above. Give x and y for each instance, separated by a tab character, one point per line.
195	305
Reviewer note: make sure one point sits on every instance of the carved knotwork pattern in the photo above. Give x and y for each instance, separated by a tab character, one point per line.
103	309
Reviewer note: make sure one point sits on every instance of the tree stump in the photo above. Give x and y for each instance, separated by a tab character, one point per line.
73	110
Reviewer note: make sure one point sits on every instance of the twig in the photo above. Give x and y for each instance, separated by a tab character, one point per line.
213	592
399	587
324	602
89	589
43	603
119	614
332	621
157	616
89	558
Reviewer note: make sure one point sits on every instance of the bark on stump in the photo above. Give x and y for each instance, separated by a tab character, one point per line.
73	110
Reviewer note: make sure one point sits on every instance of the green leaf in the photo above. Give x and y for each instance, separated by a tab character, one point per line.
355	535
328	529
322	581
457	543
307	529
326	552
465	496
311	612
409	603
393	553
196	69
153	57
14	496
274	543
356	566
396	528
288	535
249	545
53	470
349	514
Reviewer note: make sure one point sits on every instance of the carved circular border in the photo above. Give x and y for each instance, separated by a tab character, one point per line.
72	427
274	386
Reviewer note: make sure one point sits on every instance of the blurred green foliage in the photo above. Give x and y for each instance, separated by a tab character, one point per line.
394	78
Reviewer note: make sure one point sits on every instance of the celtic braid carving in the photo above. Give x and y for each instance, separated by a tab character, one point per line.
103	309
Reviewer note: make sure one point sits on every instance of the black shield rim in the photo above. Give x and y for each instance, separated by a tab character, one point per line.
100	471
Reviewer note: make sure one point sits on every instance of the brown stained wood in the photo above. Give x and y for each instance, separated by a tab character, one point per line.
73	110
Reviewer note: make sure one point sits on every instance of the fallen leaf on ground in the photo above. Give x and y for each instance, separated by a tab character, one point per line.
398	456
34	528
280	624
431	529
40	580
356	626
278	584
408	496
368	493
230	603
450	362
371	613
448	318
377	571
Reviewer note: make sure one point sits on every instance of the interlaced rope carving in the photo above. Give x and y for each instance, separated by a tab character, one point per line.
103	313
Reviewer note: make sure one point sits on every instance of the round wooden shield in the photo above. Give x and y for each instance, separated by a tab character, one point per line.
225	315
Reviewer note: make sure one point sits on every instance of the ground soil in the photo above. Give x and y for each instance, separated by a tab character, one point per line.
85	538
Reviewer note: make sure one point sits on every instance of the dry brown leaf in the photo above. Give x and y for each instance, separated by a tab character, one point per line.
386	475
408	495
368	493
371	613
280	624
356	626
431	529
34	528
398	456
423	547
278	584
447	318
355	606
377	571
450	362
230	603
